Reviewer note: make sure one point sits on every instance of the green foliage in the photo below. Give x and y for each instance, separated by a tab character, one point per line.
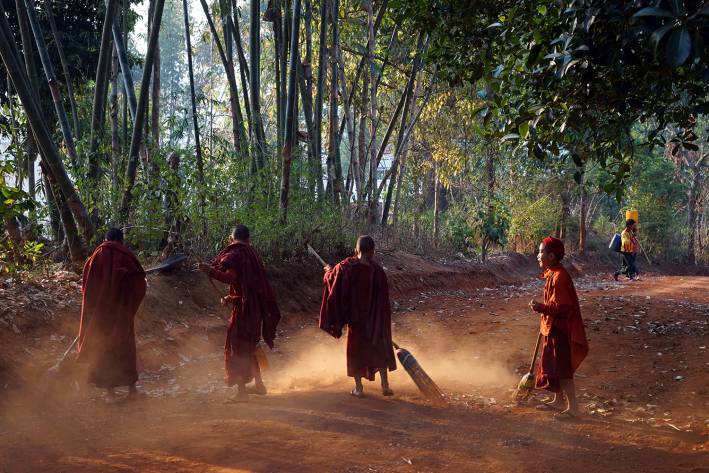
531	221
474	228
659	200
15	201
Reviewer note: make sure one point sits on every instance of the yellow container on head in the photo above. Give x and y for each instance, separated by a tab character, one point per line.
631	214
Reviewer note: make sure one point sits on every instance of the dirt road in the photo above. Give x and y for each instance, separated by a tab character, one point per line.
643	389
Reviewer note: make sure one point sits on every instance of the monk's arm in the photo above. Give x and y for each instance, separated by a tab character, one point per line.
227	277
555	309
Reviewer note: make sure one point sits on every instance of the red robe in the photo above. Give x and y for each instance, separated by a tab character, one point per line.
255	313
357	295
565	345
113	287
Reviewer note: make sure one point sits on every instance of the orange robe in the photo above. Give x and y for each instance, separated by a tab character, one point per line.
113	288
564	337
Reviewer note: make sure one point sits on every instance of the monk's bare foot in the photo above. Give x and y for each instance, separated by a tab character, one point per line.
259	389
387	391
358	392
240	397
550	406
567	415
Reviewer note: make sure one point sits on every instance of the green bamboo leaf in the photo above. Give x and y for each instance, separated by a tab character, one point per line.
657	36
678	47
652	11
523	129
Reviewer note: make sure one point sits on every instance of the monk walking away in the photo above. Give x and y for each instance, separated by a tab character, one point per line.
357	295
113	287
564	338
254	313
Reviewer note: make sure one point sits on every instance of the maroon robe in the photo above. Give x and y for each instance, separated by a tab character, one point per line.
113	287
255	313
564	337
357	295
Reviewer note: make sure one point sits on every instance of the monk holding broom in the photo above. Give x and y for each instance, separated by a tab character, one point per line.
564	338
254	313
357	295
113	287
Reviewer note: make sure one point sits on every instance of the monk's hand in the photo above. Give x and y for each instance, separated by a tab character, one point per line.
327	268
204	267
534	305
225	300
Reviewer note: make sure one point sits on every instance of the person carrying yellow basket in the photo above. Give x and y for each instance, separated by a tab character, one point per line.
629	249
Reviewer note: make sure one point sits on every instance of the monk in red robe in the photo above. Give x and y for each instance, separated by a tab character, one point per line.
564	338
113	287
357	295
254	313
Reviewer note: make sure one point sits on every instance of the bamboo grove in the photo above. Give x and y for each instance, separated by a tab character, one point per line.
308	120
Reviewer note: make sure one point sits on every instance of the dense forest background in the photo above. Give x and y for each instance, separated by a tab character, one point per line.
460	127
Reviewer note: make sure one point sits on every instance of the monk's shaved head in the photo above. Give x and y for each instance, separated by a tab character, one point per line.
365	244
241	233
114	234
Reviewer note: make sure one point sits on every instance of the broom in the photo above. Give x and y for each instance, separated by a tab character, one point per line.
526	384
422	380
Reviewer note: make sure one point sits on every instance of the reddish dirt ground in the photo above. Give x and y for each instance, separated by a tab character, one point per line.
643	389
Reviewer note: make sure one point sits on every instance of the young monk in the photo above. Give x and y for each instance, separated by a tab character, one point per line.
254	311
113	287
564	338
357	295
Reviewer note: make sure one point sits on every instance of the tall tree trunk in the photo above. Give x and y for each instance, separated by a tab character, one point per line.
128	86
31	146
402	172
280	55
409	94
120	38
10	57
195	121
65	69
77	250
565	212
51	80
155	99
361	139
255	83
115	140
104	57
55	222
141	111
334	166
583	210
243	72
371	43
353	175
308	115
436	204
237	120
322	75
692	204
290	138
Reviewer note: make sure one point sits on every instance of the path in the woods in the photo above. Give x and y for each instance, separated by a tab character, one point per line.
643	388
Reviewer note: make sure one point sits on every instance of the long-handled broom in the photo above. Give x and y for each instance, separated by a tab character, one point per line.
422	380
526	384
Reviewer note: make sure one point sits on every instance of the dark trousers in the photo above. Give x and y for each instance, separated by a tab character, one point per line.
628	266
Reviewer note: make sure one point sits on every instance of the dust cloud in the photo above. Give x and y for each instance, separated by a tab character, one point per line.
313	360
